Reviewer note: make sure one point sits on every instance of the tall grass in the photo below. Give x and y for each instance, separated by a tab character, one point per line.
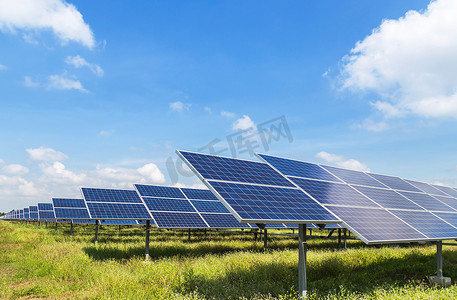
43	263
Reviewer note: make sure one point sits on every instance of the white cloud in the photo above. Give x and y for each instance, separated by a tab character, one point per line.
29	82
243	123
13	186
207	109
375	126
180	106
59	82
15	169
65	21
197	185
57	173
2	161
152	173
343	162
106	132
410	63
227	114
45	154
3	67
79	62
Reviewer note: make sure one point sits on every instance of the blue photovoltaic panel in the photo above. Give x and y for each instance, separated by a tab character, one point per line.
451	218
168	204
395	183
354	177
276	225
33	208
210	206
299	169
426	201
158	191
45	206
83	221
199	194
254	203
449	191
178	220
68	203
213	167
452	202
26	213
388	198
118	222
429	189
46	215
333	193
223	221
71	213
427	223
117	211
110	195
376	225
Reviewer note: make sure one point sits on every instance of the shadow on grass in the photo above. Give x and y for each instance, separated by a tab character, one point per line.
326	276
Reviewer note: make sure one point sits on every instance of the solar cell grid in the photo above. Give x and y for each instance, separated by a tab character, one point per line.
71	213
388	198
209	206
66	202
119	222
427	188
110	195
178	220
159	191
117	211
254	202
45	206
395	183
33	208
376	225
426	201
46	215
168	204
236	170
427	223
449	191
354	177
299	169
333	193
199	194
452	202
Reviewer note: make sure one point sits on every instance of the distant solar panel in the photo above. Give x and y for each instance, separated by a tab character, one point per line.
354	177
168	204
199	194
388	198
255	192
114	204
395	183
425	187
179	220
26	213
452	202
46	212
449	191
69	209
119	222
159	191
427	201
33	211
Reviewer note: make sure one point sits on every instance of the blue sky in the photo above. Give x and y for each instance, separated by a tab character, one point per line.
102	93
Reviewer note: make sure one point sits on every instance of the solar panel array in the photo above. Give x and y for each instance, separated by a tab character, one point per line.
256	193
377	208
173	207
70	209
46	212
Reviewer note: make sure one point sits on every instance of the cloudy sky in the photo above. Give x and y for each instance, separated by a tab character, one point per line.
102	93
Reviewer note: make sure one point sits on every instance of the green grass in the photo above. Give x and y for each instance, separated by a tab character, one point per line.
39	263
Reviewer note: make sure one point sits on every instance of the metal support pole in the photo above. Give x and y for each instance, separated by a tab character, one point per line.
46	222
310	232
210	234
345	241
302	288
439	259
265	242
188	235
339	238
147	238
120	228
255	236
96	231
56	225
71	227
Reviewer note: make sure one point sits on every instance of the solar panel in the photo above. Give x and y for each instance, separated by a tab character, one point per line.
114	204
388	198
223	221
334	193
159	191
46	212
395	183
178	220
427	223
425	187
69	209
119	222
209	206
33	212
403	214
199	194
26	213
449	191
426	201
296	168
255	192
168	204
68	203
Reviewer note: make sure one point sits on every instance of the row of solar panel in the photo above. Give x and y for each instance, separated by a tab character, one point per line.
377	208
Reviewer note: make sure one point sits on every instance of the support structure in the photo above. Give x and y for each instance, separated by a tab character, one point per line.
188	235
265	239
302	247
339	238
96	231
148	226
439	278
344	238
71	227
56	224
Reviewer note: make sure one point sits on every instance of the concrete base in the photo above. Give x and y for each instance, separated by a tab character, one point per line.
443	281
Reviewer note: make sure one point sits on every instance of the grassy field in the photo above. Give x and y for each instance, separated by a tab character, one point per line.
39	263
